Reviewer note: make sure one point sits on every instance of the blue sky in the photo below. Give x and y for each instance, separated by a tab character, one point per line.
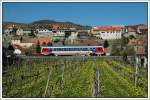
94	14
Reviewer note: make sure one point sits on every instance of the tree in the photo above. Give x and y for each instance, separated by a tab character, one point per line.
10	47
106	44
124	41
146	51
132	36
125	58
44	44
38	48
14	30
63	41
115	50
49	44
21	39
32	33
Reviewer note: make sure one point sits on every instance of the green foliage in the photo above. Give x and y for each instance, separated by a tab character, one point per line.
106	44
132	37
72	78
38	48
115	50
124	41
44	44
49	44
32	34
114	85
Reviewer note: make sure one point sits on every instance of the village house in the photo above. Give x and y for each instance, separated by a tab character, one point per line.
55	27
58	33
138	42
8	30
141	29
21	44
72	37
107	51
44	32
83	33
41	41
19	32
107	32
26	31
140	46
130	31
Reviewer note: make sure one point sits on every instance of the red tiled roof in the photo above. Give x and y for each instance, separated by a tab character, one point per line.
142	42
19	47
106	50
131	29
107	28
41	40
142	27
55	26
140	50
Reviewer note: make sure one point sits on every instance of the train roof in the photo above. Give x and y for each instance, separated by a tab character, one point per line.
70	46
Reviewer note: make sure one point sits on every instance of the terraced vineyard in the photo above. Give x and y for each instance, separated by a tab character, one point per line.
73	77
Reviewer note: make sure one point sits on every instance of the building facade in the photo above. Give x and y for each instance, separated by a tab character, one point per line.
107	32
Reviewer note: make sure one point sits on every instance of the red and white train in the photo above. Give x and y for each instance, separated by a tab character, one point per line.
72	50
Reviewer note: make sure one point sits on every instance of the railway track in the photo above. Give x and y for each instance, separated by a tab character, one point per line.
90	57
96	80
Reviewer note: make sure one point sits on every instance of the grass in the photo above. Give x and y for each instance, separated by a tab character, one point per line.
72	78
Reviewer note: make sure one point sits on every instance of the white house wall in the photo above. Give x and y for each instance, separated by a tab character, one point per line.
110	35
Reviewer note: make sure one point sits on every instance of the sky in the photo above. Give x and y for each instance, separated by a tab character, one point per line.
93	14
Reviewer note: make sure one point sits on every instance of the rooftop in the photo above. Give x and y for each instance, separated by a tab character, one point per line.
108	28
131	29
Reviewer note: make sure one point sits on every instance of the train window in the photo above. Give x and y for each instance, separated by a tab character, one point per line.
50	50
75	49
85	49
78	49
59	49
54	49
91	49
62	49
82	49
94	49
66	49
71	49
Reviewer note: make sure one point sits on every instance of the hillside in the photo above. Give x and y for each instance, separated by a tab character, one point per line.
45	24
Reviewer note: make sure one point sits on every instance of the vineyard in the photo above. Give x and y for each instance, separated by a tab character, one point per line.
69	77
